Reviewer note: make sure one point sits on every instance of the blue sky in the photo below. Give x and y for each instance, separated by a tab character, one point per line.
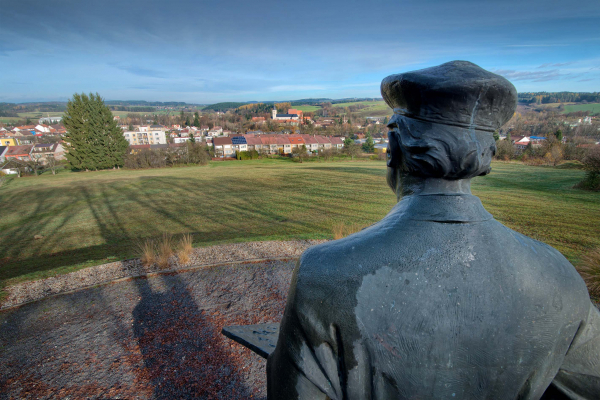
210	51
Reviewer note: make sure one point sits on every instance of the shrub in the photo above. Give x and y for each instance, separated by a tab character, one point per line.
191	153
247	155
165	250
147	252
591	163
341	230
505	150
590	272
185	249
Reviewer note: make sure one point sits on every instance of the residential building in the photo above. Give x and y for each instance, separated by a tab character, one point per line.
284	146
239	143
3	150
25	140
310	142
42	129
14	167
19	152
253	142
43	151
154	134
223	147
337	142
296	141
49	120
8	141
324	142
269	144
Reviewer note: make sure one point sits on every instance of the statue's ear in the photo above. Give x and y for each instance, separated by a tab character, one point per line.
394	152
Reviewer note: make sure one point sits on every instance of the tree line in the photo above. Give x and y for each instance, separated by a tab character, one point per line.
558	97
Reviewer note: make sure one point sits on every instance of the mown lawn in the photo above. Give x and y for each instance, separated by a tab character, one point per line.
307	108
97	217
374	109
593	107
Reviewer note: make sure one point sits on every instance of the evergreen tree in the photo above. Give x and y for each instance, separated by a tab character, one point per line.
196	120
496	136
93	139
558	135
368	146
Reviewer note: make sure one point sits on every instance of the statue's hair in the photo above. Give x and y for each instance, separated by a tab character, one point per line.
431	150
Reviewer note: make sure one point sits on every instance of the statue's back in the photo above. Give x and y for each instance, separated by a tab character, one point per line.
427	309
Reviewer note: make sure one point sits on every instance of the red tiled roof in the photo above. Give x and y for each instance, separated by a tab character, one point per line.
18	151
282	139
308	139
253	141
268	139
322	139
336	140
220	141
296	139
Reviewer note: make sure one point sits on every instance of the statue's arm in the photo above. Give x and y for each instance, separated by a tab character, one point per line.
579	375
303	366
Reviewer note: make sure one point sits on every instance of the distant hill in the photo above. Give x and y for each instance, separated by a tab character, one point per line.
143	103
558	97
223	106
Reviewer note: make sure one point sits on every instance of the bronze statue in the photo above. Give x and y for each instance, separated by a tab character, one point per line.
438	300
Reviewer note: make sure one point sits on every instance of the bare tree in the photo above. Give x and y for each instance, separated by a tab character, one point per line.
51	163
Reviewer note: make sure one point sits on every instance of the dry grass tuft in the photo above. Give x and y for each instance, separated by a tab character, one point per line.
590	272
185	248
165	250
338	230
341	230
147	252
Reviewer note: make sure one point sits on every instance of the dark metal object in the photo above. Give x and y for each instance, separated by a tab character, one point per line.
438	300
261	338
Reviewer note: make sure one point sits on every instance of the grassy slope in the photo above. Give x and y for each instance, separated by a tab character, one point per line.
36	115
374	109
594	108
95	217
307	108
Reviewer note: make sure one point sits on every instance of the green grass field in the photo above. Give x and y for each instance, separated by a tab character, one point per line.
374	109
594	108
36	115
97	217
307	108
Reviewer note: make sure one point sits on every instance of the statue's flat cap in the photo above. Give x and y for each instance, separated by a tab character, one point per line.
457	93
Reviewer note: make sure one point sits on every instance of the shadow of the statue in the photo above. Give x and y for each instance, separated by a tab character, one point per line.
182	355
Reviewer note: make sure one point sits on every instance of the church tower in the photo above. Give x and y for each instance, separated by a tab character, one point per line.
274	112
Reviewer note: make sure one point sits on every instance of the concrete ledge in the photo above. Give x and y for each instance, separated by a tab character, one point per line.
202	257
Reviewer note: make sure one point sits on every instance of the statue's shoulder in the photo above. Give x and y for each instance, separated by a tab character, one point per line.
537	255
350	257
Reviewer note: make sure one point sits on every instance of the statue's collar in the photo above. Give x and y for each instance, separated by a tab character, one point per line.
443	208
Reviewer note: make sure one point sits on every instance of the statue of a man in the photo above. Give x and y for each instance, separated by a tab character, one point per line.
438	300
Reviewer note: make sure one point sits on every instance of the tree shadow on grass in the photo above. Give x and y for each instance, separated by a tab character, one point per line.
113	216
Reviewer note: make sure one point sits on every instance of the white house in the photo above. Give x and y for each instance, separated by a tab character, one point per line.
154	134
